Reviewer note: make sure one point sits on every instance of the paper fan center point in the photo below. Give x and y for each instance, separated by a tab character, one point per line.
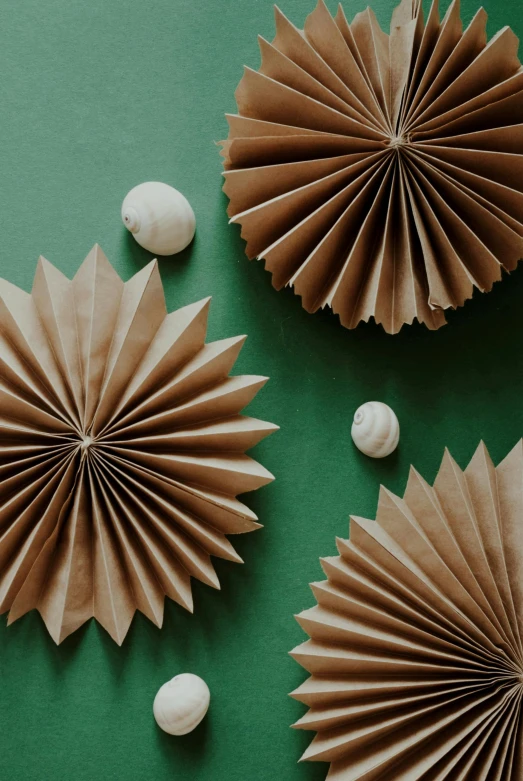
400	141
87	441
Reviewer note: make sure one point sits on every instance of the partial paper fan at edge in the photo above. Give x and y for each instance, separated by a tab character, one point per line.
415	649
122	448
381	175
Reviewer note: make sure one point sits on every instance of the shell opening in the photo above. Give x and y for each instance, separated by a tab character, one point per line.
131	220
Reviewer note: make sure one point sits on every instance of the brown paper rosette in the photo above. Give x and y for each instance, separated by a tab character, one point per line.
122	448
381	175
416	655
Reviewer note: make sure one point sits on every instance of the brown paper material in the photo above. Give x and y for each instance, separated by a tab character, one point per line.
122	448
381	175
415	650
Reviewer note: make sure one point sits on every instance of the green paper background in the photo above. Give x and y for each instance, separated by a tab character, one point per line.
96	97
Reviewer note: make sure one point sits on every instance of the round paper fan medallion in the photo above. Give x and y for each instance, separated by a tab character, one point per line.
122	448
415	650
381	174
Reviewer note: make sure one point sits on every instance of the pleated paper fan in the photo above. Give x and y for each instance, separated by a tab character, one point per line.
122	448
415	649
381	175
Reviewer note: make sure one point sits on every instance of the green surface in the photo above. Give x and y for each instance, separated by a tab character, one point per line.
96	97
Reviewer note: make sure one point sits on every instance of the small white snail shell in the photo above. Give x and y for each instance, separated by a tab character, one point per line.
159	217
181	704
375	430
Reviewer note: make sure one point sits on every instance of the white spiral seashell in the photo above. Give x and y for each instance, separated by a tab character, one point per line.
181	704
159	217
375	430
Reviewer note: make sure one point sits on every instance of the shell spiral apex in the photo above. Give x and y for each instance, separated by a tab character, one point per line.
131	219
181	704
375	429
159	217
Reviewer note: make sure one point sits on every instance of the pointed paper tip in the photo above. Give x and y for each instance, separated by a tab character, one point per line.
278	14
42	261
150	267
211	579
360	521
65	631
309	753
95	258
447	463
266	475
414	478
144	275
42	267
340	541
326	561
200	307
54	630
46	270
95	249
120	634
8	289
97	253
517	451
11	618
239	340
384	491
481	451
46	266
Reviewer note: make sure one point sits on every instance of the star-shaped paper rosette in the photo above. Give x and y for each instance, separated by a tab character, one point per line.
381	175
122	448
415	650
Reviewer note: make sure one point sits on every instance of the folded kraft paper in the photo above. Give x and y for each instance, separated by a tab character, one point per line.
381	175
416	655
122	448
